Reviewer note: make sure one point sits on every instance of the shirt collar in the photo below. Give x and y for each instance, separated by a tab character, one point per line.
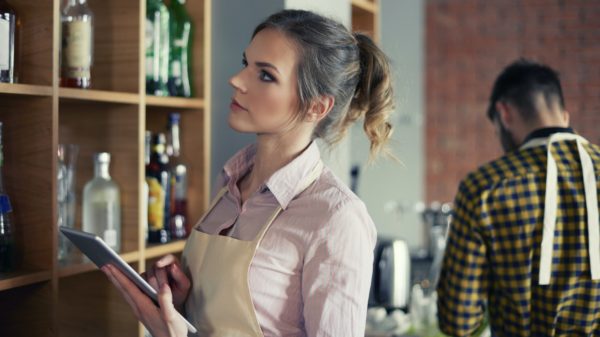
546	132
286	182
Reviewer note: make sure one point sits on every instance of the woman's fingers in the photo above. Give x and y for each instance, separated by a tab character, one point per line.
166	260
175	323
179	277
162	277
151	278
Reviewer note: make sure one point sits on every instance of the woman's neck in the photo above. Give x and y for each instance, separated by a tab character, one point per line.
272	153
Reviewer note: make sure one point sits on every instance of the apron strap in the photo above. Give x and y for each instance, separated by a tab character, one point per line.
551	202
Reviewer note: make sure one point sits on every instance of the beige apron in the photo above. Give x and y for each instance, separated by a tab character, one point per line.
220	303
551	202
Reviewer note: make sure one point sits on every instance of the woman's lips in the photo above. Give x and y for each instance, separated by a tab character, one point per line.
236	106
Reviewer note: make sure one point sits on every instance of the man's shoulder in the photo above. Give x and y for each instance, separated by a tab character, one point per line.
511	165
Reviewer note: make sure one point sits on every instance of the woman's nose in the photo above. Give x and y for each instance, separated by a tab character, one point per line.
237	82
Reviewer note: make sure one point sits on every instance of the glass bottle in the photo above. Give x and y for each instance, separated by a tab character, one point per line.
178	213
66	197
8	251
158	179
180	29
77	45
8	33
102	204
157	48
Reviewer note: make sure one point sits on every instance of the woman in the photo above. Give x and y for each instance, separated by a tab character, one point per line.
286	249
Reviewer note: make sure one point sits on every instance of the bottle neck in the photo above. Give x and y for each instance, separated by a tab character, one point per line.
101	171
175	140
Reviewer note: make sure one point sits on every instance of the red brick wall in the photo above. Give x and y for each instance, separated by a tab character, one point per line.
468	42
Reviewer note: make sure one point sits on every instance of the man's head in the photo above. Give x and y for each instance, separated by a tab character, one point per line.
526	96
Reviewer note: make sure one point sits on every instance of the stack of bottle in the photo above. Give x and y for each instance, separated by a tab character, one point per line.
166	176
168	49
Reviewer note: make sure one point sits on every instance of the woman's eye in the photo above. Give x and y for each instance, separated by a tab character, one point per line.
266	77
244	63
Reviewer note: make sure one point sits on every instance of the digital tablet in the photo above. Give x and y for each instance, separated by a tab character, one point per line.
101	254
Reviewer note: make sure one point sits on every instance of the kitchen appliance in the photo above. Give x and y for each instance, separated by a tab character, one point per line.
390	283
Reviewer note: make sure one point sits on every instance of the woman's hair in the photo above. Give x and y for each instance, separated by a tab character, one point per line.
347	66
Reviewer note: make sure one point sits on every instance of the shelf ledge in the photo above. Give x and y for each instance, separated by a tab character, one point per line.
175	102
79	266
99	96
368	6
168	248
23	278
25	89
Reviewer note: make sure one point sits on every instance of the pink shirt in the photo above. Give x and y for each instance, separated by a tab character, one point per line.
312	271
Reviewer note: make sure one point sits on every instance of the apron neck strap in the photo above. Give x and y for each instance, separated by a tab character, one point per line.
551	202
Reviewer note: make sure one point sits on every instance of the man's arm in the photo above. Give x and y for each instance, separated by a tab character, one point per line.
463	283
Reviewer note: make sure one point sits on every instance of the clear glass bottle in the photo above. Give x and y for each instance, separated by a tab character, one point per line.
180	29
178	224
157	48
77	45
8	37
8	250
102	204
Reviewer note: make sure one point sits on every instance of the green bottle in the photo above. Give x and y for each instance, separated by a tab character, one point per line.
157	48
180	71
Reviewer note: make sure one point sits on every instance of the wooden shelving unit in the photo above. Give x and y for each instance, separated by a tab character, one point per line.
365	17
72	298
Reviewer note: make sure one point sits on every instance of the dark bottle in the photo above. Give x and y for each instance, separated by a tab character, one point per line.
77	45
8	252
8	33
157	48
158	178
179	221
180	30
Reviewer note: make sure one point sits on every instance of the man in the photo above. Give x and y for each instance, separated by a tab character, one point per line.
523	245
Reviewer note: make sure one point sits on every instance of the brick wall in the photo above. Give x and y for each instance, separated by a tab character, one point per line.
468	42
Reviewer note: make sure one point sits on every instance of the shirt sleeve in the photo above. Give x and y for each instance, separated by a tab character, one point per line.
463	283
337	274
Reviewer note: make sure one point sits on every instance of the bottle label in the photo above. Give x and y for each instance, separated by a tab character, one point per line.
175	69
77	48
156	204
149	48
5	206
4	44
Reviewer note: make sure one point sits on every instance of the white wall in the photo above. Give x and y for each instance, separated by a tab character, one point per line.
387	187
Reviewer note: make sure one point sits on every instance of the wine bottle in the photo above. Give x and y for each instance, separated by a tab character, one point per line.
157	48
178	224
180	29
77	45
102	204
158	179
8	33
8	251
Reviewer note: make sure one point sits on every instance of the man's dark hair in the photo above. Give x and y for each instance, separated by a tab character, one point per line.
520	83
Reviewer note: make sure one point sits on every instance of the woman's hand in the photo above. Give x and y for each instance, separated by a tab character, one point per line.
161	322
167	270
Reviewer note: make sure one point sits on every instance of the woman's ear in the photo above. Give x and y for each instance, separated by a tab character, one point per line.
319	108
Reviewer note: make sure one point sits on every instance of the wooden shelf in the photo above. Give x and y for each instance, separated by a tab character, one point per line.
98	96
368	6
25	89
175	102
77	265
160	250
19	279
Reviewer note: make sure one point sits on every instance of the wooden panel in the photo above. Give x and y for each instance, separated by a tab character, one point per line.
89	305
34	53
363	21
27	134
22	277
192	151
99	96
116	45
112	128
25	89
175	102
25	311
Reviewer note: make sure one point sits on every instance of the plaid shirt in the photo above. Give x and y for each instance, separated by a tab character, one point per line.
493	249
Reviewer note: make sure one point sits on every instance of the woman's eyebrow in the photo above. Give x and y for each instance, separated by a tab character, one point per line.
263	64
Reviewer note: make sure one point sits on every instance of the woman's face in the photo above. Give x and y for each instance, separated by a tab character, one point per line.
265	98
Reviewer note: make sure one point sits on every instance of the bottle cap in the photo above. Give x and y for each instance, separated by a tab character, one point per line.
174	117
102	157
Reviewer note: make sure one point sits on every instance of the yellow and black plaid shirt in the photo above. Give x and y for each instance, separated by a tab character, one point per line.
493	249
